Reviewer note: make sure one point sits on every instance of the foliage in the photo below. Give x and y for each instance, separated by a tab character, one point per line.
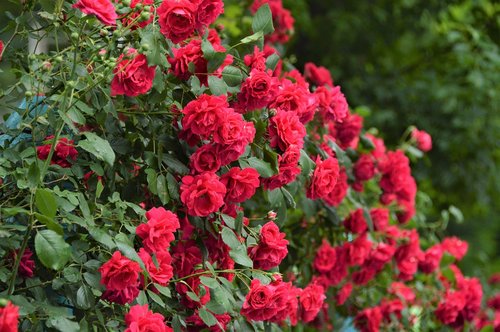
158	174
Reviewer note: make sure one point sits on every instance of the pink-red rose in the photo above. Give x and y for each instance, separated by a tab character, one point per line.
311	301
119	272
102	9
202	194
177	19
423	140
324	178
133	75
9	316
272	248
241	184
141	319
285	129
158	232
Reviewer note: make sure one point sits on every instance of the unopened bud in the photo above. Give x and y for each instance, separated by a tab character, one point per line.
271	215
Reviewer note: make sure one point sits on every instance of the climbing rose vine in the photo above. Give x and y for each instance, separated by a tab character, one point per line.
164	168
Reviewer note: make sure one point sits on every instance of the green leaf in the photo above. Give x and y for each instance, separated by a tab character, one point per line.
45	202
230	238
264	168
161	186
50	223
33	175
232	75
272	61
217	86
209	282
98	147
263	20
155	53
207	317
240	256
175	164
102	237
51	249
165	291
156	298
290	202
256	37
306	163
63	324
173	187
228	220
129	252
84	297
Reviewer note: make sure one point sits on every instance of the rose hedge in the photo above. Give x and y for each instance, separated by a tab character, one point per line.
161	175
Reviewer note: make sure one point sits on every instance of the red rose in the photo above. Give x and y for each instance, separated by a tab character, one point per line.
122	296
257	91
473	291
160	271
241	184
26	265
207	12
380	256
318	75
190	53
358	250
332	105
311	301
102	9
158	232
363	276
202	194
231	129
449	309
285	129
267	302
390	308
141	319
368	320
380	218
64	152
203	116
347	132
287	174
272	248
9	316
402	291
355	222
338	193
119	272
205	159
379	151
133	76
339	270
324	178
292	97
186	256
407	256
344	293
177	19
364	168
325	258
455	247
429	260
423	140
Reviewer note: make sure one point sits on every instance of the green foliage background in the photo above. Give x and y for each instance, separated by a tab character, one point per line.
435	64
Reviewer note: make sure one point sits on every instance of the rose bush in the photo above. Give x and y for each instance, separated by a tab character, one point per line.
163	173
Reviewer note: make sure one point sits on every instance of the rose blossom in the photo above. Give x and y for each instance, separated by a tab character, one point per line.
158	232
202	116
202	194
364	168
380	218
423	140
241	184
311	301
26	265
429	260
257	91
205	159
455	247
132	75
177	19
272	248
9	316
285	129
355	222
332	105
318	75
207	12
119	272
64	152
102	9
324	178
141	319
325	258
368	320
161	272
338	193
343	293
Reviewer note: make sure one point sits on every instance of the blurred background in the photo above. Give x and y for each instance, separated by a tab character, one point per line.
430	63
434	64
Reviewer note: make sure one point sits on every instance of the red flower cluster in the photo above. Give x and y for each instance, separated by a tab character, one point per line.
64	152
